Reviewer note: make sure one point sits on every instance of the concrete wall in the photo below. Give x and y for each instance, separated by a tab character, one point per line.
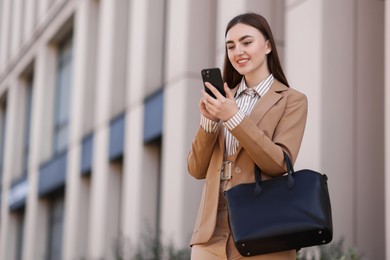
124	52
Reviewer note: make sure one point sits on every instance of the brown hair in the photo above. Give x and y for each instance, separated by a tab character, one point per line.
230	74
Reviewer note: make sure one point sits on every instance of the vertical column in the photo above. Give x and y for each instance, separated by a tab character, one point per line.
99	187
276	17
134	148
370	124
42	6
118	89
338	107
306	17
141	164
5	243
5	27
84	35
194	21
20	119
29	15
11	229
387	127
17	21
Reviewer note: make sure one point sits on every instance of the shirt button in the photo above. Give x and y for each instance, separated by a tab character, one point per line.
237	170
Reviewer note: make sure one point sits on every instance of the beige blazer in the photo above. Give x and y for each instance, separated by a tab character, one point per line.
276	123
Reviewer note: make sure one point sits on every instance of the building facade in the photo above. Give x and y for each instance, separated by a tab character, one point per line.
99	105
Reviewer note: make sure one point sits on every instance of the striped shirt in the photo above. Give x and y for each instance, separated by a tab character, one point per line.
246	99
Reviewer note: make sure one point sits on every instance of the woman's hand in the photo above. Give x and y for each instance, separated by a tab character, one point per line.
221	108
205	112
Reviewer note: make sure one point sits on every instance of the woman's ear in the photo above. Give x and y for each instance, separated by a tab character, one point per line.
269	47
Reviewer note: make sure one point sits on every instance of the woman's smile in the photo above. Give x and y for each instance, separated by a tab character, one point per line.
242	61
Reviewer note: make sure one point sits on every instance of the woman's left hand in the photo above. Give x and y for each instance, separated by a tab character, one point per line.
222	107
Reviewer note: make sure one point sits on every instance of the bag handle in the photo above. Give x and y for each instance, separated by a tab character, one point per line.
290	172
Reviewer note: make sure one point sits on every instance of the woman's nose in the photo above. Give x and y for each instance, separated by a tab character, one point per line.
239	50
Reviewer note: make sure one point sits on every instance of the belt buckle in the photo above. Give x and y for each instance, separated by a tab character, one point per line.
226	173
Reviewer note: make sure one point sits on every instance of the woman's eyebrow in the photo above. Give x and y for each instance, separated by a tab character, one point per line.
241	39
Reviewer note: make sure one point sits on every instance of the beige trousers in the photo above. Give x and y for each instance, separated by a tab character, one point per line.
221	244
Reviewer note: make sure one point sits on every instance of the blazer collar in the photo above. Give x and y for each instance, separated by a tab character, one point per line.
264	104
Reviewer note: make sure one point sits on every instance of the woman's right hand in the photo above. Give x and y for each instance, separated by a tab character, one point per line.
220	108
205	112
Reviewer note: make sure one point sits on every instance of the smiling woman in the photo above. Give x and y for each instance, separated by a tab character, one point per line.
259	26
260	118
248	53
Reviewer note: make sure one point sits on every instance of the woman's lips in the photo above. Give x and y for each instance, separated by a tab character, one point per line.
242	61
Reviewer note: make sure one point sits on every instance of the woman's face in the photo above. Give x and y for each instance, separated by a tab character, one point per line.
247	49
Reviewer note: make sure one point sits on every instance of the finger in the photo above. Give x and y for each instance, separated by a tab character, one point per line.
202	103
214	90
206	98
228	91
206	102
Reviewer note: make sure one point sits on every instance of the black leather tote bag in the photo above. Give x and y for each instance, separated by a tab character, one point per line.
287	212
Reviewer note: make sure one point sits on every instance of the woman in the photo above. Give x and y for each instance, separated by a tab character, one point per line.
260	117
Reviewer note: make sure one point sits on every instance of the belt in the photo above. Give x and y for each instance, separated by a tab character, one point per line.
226	173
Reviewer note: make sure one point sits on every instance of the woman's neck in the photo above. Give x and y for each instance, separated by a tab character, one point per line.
254	79
253	82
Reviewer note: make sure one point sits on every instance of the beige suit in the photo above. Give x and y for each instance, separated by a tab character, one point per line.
276	123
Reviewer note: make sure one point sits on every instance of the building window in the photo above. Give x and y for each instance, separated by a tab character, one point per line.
152	196
113	208
157	144
19	234
55	227
27	127
62	97
3	124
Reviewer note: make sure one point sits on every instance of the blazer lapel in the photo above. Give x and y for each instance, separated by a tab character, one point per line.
264	104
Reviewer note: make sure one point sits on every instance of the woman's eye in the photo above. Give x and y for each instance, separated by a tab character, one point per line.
247	43
230	47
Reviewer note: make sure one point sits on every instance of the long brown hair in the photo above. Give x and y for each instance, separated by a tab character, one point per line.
230	74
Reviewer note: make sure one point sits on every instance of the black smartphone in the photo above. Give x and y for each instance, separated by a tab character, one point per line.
214	77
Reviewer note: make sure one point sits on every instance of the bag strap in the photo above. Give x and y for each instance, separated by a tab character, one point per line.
290	172
290	167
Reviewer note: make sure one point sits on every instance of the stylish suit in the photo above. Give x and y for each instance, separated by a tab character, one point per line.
276	123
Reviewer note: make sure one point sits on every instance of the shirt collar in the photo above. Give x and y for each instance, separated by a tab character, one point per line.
260	89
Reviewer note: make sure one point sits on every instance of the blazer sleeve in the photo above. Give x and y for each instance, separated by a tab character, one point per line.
266	151
199	157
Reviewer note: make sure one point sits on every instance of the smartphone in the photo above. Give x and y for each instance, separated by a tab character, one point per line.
214	77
